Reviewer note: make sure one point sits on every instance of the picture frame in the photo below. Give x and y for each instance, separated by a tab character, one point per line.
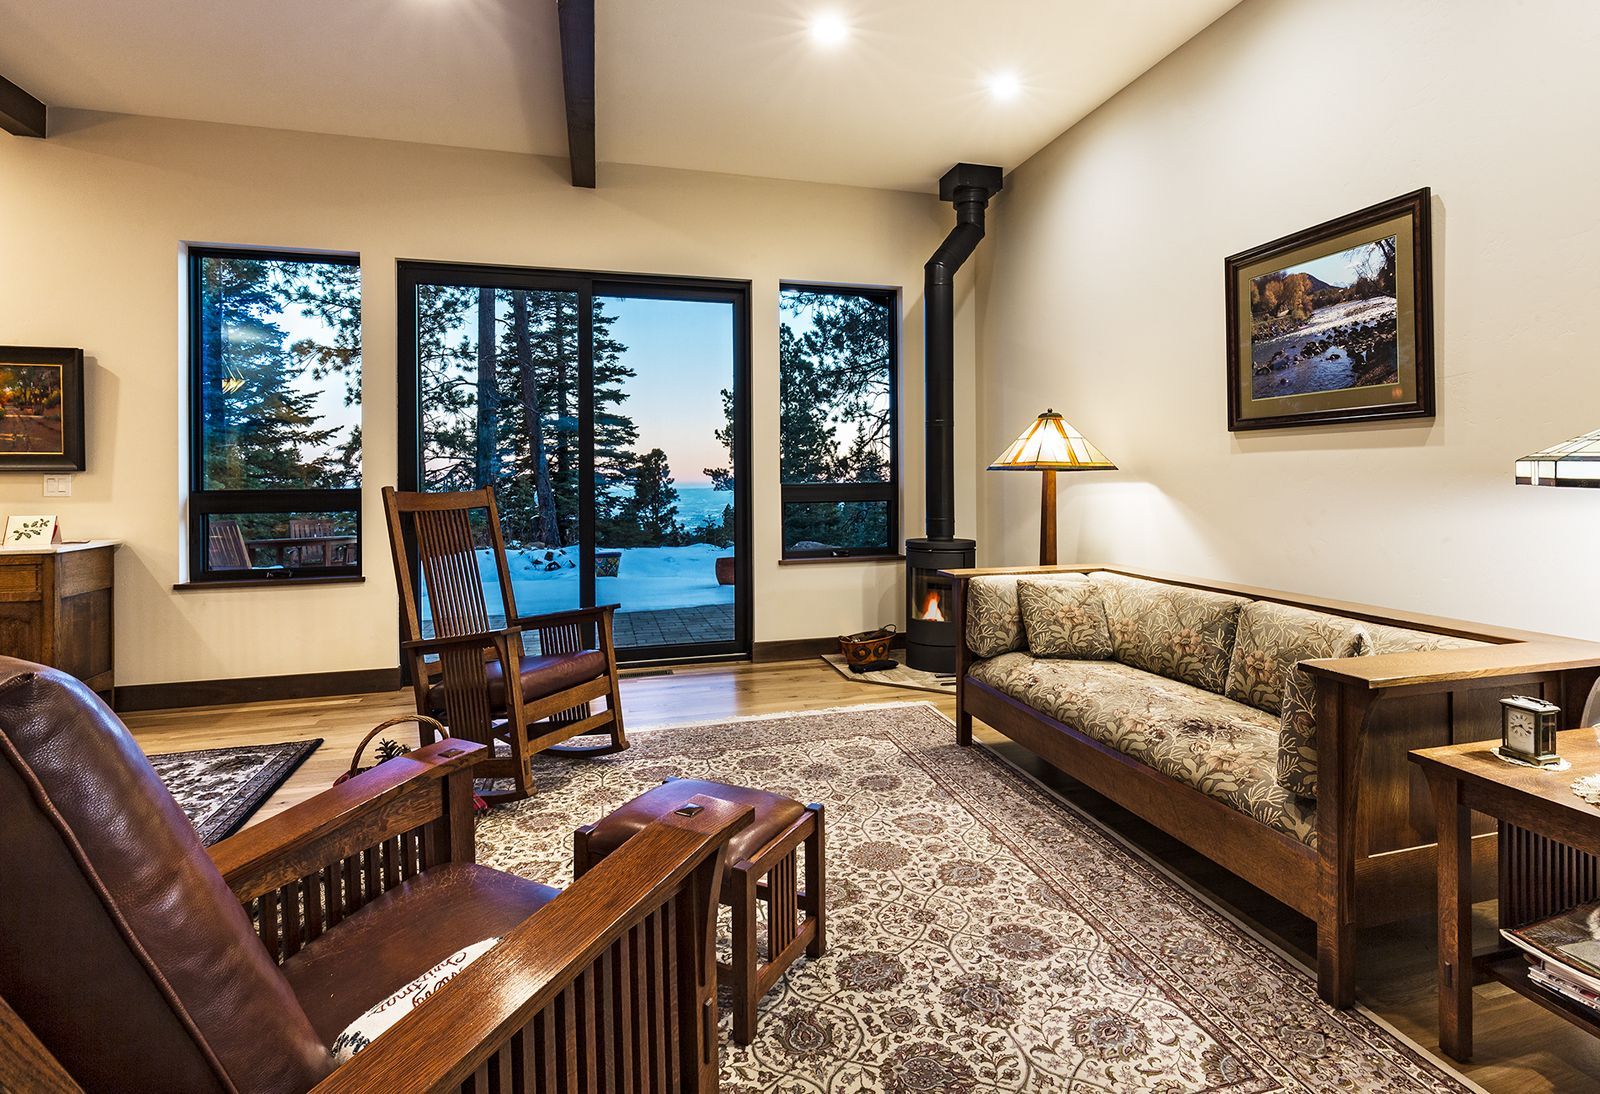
41	409
1334	324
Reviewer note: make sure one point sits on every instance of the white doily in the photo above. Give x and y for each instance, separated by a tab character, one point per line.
1562	764
1588	788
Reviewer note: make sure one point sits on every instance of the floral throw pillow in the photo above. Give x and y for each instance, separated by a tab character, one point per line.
1272	640
994	619
1064	618
382	1015
1180	633
1297	731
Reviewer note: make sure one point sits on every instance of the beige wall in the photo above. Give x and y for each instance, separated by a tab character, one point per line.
92	224
1102	295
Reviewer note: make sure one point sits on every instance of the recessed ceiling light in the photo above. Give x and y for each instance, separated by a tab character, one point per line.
1005	86
828	28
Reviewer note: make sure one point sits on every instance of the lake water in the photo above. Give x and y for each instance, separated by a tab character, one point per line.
698	504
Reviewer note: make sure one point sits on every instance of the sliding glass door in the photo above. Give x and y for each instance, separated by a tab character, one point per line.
608	415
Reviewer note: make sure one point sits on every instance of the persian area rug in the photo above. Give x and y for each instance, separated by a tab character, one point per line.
901	676
983	935
219	788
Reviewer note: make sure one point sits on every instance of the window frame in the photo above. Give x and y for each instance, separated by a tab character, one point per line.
831	492
203	502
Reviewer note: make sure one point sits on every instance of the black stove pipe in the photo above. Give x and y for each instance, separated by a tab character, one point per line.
969	187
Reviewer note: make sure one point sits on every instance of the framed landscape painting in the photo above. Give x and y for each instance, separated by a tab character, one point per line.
1335	323
41	409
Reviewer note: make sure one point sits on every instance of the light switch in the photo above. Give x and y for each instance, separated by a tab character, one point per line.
58	486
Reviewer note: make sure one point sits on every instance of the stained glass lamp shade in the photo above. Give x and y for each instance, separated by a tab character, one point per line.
1570	463
1049	444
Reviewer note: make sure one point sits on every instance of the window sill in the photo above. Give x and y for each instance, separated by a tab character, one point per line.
832	559
265	582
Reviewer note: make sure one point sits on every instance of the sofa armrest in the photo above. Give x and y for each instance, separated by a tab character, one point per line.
1437	670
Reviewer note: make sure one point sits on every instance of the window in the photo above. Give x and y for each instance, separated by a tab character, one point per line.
838	437
275	415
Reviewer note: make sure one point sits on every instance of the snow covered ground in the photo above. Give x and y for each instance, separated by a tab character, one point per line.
649	579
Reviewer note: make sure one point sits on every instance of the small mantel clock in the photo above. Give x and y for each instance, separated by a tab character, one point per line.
1528	729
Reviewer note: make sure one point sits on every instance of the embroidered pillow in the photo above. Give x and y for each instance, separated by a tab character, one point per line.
1297	730
994	620
1064	618
1272	640
381	1016
1180	633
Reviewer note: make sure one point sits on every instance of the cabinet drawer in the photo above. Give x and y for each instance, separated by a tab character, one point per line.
19	580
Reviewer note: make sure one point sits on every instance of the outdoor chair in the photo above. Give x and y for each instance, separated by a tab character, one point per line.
472	671
131	958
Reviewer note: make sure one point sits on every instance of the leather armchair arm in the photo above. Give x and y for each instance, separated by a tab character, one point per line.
455	1031
405	791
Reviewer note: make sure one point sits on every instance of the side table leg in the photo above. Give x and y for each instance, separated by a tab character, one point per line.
1455	917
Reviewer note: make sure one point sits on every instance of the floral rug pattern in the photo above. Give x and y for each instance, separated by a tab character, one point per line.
983	936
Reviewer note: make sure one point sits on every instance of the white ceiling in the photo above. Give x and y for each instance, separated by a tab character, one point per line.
734	86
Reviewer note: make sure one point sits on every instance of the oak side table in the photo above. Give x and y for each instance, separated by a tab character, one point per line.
1549	862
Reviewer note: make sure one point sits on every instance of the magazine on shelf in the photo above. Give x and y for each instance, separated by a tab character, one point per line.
1564	986
1568	943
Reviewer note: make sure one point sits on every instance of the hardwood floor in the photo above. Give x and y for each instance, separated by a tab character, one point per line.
1519	1047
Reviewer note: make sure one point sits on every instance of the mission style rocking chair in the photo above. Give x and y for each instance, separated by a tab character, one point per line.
484	685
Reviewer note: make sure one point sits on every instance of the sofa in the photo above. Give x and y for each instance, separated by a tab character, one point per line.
1267	730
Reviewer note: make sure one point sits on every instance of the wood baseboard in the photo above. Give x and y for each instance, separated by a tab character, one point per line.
255	689
803	649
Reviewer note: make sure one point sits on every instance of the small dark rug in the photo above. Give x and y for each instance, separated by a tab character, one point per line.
219	788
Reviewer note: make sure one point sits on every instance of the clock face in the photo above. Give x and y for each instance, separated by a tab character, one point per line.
1519	731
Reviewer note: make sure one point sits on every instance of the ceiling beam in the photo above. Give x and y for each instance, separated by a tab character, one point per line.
577	77
20	113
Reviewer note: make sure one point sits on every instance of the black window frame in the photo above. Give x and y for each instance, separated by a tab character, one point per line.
828	492
204	503
587	285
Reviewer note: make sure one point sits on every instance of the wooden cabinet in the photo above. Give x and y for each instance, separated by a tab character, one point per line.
55	608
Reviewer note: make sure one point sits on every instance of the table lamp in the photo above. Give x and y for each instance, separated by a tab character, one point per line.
1049	444
1570	463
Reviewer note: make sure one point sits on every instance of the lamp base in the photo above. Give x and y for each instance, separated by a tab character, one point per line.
1047	519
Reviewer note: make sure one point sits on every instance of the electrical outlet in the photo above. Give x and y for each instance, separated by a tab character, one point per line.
58	486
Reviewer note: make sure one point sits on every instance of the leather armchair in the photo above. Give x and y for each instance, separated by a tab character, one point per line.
131	958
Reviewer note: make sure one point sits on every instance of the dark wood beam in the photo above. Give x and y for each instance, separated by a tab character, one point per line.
20	113
577	73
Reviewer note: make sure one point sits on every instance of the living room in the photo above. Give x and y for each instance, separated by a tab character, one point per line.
358	363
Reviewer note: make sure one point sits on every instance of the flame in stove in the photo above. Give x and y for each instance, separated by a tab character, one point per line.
932	609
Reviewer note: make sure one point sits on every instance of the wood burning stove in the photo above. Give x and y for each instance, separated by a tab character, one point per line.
930	617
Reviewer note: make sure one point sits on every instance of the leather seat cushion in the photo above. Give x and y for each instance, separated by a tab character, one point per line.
401	935
541	676
774	813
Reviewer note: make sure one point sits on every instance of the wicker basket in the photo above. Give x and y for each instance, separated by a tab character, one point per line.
867	646
355	761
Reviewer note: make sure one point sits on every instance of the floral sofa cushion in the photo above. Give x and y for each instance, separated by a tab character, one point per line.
1273	639
1387	639
1297	741
1182	634
994	618
1064	618
1297	738
1222	748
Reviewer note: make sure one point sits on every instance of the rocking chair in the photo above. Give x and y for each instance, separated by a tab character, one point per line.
484	685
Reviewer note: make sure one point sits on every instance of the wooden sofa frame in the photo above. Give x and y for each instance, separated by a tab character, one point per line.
1375	858
612	985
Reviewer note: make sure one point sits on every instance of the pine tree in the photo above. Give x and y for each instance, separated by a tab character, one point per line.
651	514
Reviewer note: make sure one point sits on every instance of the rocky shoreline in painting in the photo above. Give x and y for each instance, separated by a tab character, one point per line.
1346	345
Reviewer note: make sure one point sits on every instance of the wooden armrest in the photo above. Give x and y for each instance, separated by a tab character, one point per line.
442	1042
25	1064
964	574
1425	667
245	858
571	615
476	638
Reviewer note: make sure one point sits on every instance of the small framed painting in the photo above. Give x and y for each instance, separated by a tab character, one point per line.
41	409
1335	323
